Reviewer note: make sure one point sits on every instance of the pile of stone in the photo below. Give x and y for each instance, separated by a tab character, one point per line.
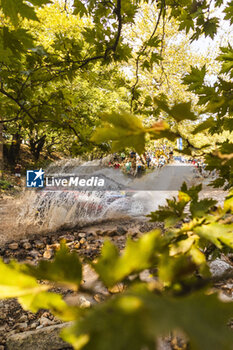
24	330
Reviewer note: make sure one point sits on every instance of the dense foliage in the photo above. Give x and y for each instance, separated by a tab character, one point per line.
39	87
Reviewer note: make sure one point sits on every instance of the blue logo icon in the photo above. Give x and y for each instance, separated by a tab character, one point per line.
35	178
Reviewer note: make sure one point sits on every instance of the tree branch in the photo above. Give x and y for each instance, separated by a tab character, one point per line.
112	48
143	50
5	93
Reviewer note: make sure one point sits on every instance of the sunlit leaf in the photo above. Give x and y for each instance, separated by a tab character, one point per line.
137	256
66	268
14	283
217	233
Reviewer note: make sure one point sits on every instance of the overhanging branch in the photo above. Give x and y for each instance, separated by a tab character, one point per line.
163	4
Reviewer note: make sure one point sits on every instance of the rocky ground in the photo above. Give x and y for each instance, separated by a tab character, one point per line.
19	329
87	242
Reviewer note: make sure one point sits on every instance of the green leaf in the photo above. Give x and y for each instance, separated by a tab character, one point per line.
210	122
9	8
166	134
18	41
140	317
182	246
195	78
210	27
187	24
229	12
49	301
137	256
40	2
14	8
170	214
200	208
79	8
124	130
14	283
146	65
180	111
226	57
216	233
66	268
155	58
192	192
173	269
228	203
219	2
154	41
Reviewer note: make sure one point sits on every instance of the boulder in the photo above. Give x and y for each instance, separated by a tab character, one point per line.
13	246
219	267
39	339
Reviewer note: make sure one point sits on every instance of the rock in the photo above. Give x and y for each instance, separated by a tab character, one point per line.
82	235
225	298
2	347
82	241
39	245
34	253
48	254
28	259
31	316
44	321
77	245
81	300
99	232
219	267
121	230
27	245
39	339
34	325
118	288
23	318
46	314
146	276
3	315
132	232
99	298
13	246
111	232
163	344
3	328
54	246
11	333
84	303
229	286
21	326
67	238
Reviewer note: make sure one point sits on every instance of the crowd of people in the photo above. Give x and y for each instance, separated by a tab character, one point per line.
201	167
136	165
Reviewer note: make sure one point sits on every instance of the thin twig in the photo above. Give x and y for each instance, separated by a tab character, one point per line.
142	52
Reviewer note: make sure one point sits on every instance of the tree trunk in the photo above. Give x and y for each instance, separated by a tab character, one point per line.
1	150
12	152
36	147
